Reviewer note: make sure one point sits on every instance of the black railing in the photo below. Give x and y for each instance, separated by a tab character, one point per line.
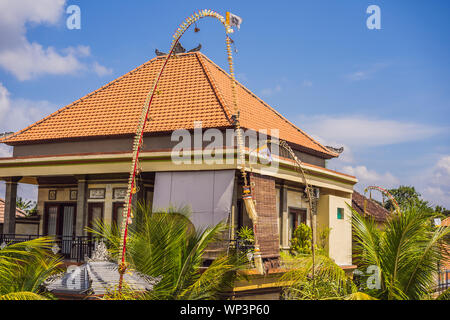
74	248
242	245
443	280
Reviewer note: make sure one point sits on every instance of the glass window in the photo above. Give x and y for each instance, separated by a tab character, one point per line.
340	213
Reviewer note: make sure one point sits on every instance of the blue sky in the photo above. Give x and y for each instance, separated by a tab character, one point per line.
382	94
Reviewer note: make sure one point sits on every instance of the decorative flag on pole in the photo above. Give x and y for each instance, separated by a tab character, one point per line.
233	20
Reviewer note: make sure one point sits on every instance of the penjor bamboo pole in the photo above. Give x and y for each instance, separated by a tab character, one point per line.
127	215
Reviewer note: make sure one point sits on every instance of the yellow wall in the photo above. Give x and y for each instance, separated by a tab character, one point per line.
27	228
63	195
340	239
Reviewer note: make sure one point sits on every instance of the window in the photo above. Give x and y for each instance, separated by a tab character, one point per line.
340	213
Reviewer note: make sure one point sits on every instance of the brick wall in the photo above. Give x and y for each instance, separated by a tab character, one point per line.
264	193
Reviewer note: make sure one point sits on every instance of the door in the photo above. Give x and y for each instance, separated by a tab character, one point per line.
95	212
296	216
52	220
59	221
68	215
118	214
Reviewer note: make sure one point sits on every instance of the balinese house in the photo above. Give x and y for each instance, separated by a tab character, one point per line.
369	208
80	156
24	224
444	265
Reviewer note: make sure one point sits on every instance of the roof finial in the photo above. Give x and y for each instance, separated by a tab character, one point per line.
178	49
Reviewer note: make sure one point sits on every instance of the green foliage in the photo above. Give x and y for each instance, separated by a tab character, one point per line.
329	282
444	295
24	267
301	240
406	196
246	234
322	241
165	245
406	252
443	211
30	207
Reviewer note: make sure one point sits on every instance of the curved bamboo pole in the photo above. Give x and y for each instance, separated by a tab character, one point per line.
384	192
301	171
144	117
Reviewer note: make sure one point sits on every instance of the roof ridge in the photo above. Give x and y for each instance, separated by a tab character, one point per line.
214	87
5	140
326	150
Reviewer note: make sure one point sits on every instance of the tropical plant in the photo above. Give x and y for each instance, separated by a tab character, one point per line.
406	196
165	245
28	206
246	234
406	252
329	281
322	243
301	239
24	267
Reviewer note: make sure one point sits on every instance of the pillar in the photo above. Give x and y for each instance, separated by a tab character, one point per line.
284	217
9	224
81	218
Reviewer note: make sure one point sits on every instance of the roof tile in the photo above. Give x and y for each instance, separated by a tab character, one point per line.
191	88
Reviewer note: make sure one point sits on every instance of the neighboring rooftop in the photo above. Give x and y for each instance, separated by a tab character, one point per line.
19	212
373	209
192	88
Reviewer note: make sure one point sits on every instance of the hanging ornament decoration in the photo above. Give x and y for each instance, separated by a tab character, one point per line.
55	249
232	21
384	192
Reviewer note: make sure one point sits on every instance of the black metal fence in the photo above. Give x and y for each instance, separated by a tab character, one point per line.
74	248
443	280
77	248
241	245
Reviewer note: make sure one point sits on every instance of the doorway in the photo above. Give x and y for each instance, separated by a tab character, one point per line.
60	222
296	216
95	213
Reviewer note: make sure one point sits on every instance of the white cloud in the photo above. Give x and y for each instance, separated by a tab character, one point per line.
358	75
368	177
4	101
25	59
307	83
25	191
16	114
357	131
271	91
101	70
365	73
5	151
32	60
435	186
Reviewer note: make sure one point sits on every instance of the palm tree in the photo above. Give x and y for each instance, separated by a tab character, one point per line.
24	267
406	252
330	281
29	207
165	245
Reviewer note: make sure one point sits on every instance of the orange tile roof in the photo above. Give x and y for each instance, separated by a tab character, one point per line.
192	88
373	209
19	212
